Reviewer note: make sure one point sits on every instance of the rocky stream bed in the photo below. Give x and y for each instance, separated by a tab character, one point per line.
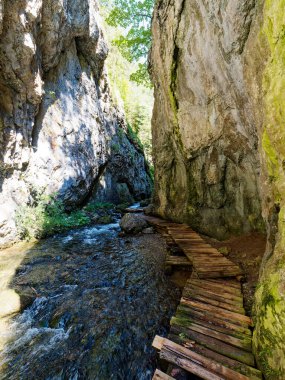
91	304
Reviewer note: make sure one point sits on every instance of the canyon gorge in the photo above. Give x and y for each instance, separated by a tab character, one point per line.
218	73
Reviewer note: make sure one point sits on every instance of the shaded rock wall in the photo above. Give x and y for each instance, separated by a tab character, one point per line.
59	131
266	79
218	126
204	130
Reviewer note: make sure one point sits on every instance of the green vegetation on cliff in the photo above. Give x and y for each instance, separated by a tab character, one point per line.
46	215
269	335
134	97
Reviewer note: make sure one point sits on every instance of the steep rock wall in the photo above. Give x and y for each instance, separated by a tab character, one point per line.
219	75
204	130
59	131
266	79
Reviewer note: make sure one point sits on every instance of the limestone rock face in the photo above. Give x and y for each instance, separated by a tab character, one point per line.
59	131
204	129
218	125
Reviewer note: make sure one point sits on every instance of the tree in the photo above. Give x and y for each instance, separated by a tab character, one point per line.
134	16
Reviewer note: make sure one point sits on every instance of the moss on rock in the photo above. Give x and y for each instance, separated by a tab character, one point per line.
269	310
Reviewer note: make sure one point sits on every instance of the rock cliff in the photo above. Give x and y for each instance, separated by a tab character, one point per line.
218	126
59	131
205	141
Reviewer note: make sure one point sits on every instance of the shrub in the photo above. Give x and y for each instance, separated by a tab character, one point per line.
97	206
46	215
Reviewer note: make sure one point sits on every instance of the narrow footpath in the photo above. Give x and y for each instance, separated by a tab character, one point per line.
210	334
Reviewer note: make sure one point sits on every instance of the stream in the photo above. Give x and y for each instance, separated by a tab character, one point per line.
92	303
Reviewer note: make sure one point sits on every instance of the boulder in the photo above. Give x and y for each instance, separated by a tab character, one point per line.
133	223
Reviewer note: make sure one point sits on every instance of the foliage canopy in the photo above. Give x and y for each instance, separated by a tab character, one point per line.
134	16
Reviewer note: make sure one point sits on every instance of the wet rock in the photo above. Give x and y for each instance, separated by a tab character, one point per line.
10	302
145	202
133	223
150	209
59	131
148	230
106	219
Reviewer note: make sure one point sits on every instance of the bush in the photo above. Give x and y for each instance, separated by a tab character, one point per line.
46	216
97	206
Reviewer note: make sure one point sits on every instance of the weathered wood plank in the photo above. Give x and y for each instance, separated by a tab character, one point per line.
178	261
159	375
222	304
207	267
252	373
231	283
217	274
186	359
225	297
182	319
243	343
211	320
228	314
222	289
215	345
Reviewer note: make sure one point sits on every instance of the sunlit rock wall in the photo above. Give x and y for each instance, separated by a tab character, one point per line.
204	129
59	131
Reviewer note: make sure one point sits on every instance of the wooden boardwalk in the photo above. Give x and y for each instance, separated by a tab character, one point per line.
210	334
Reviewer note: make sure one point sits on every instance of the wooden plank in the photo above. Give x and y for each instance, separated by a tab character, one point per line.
184	231
252	373
215	321
190	237
215	345
224	305
243	319
231	283
207	275
184	319
178	261
212	271
158	342
205	258
159	375
226	297
191	242
243	343
230	270
211	266
188	358
199	251
218	274
188	365
222	289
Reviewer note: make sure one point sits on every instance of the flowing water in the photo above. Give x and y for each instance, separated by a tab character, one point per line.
95	303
